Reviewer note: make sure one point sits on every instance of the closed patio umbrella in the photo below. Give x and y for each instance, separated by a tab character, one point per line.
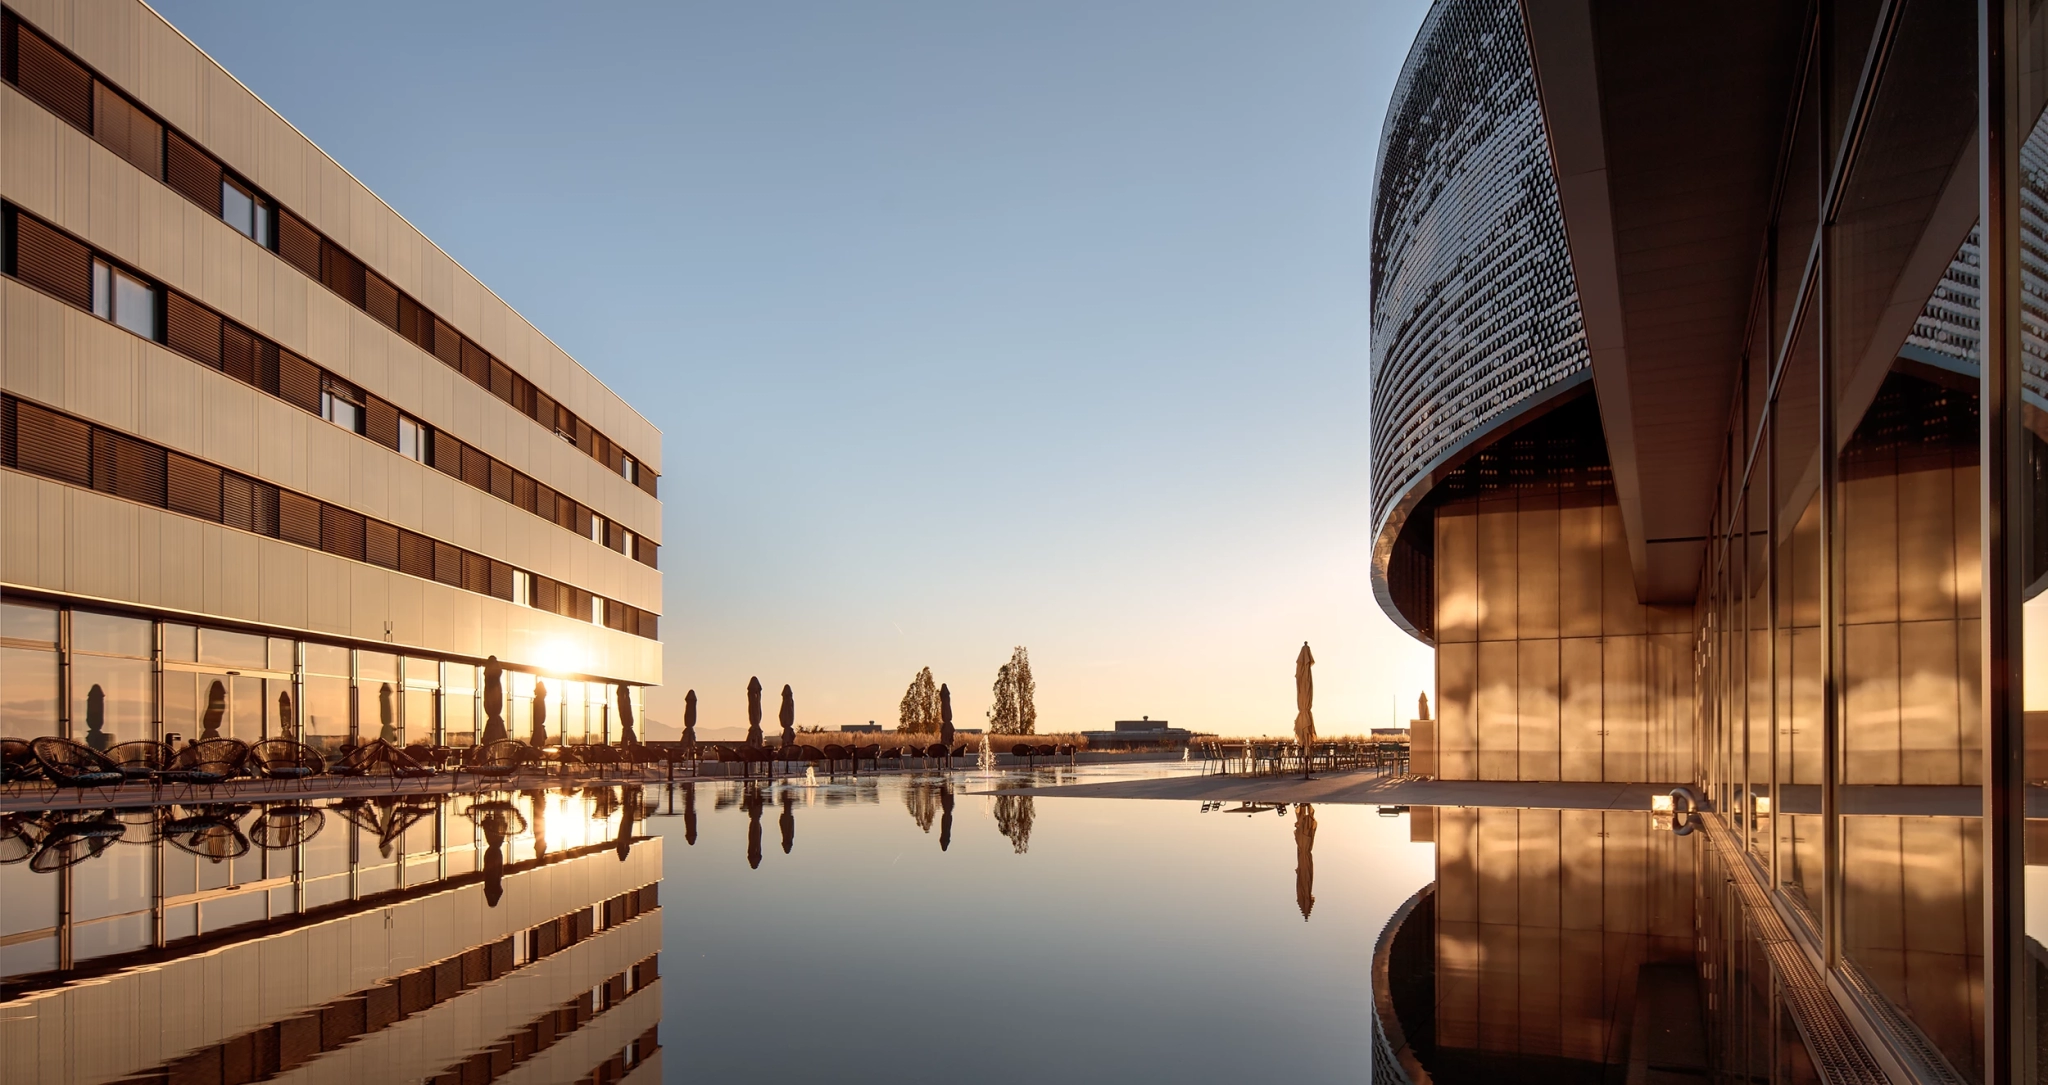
754	712
494	702
540	713
690	718
626	734
788	717
945	715
1304	702
386	728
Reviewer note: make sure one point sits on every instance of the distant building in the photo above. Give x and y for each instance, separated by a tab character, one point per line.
867	728
1130	734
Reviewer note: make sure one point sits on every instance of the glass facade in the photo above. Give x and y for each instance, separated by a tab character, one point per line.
104	678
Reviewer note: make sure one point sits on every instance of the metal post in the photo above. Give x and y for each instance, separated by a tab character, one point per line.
2002	505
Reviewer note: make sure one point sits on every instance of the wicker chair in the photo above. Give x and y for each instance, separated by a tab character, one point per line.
141	761
500	759
73	841
75	765
18	762
207	764
286	826
379	758
282	759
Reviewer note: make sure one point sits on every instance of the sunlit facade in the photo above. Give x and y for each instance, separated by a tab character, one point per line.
1803	470
272	464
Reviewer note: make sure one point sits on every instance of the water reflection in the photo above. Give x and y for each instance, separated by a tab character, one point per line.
751	800
1304	856
945	817
1014	814
788	820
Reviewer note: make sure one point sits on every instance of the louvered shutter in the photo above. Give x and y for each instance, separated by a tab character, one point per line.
380	299
522	491
650	626
501	380
544	500
571	515
342	273
447	454
415	323
267	511
476	365
192	329
380	543
647	553
447	564
586	438
542	594
192	172
44	73
193	487
615	536
298	519
542	408
128	131
341	531
476	468
416	555
447	344
297	242
501	481
501	580
601	450
238	502
646	481
47	443
48	260
380	422
138	469
7	431
238	352
581	522
298	381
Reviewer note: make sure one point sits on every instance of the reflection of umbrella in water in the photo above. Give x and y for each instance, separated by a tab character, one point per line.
72	842
945	816
690	718
626	819
498	819
210	834
754	712
626	734
788	822
286	825
494	702
540	715
386	729
1304	701
539	801
752	803
690	814
1304	858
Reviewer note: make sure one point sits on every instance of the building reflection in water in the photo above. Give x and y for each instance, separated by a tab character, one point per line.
392	939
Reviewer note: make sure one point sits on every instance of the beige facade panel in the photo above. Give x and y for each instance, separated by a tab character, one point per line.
104	373
144	223
137	50
88	544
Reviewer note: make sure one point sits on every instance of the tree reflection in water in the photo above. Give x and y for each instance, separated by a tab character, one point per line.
1013	820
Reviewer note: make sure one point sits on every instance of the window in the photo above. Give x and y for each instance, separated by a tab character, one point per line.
630	467
597	610
596	528
341	405
626	547
246	211
522	588
412	439
123	299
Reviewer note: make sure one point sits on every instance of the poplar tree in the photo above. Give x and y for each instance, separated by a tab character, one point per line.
1014	711
919	711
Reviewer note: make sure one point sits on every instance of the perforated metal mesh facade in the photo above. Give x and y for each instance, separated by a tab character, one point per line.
1474	309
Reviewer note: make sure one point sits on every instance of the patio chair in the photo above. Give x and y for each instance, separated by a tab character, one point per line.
281	759
75	765
18	762
140	761
286	825
499	759
379	758
207	764
73	841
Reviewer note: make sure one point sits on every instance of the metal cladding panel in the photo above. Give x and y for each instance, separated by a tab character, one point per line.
1474	309
128	131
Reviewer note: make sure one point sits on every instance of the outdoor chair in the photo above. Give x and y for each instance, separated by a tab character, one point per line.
18	762
937	751
73	841
281	759
75	765
286	825
499	759
140	761
379	757
206	764
210	834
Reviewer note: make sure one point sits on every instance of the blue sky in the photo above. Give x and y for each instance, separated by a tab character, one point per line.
966	325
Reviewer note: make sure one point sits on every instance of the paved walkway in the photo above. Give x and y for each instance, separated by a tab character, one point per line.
1369	786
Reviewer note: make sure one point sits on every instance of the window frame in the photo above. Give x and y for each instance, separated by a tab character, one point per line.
262	221
415	432
108	279
335	394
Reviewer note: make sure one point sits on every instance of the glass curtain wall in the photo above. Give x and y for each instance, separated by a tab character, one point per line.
1873	633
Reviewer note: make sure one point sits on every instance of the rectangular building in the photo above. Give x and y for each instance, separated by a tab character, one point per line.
272	463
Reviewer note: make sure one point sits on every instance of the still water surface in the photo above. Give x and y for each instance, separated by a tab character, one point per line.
1040	939
903	928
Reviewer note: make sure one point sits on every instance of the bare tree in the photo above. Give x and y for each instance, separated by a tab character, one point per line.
1014	711
919	712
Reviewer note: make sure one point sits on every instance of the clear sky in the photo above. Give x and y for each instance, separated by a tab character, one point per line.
968	325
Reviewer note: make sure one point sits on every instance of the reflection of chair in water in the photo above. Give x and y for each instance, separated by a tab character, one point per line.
286	825
210	834
20	836
75	765
74	840
387	818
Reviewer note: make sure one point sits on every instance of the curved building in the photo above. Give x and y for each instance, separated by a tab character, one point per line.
1475	318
